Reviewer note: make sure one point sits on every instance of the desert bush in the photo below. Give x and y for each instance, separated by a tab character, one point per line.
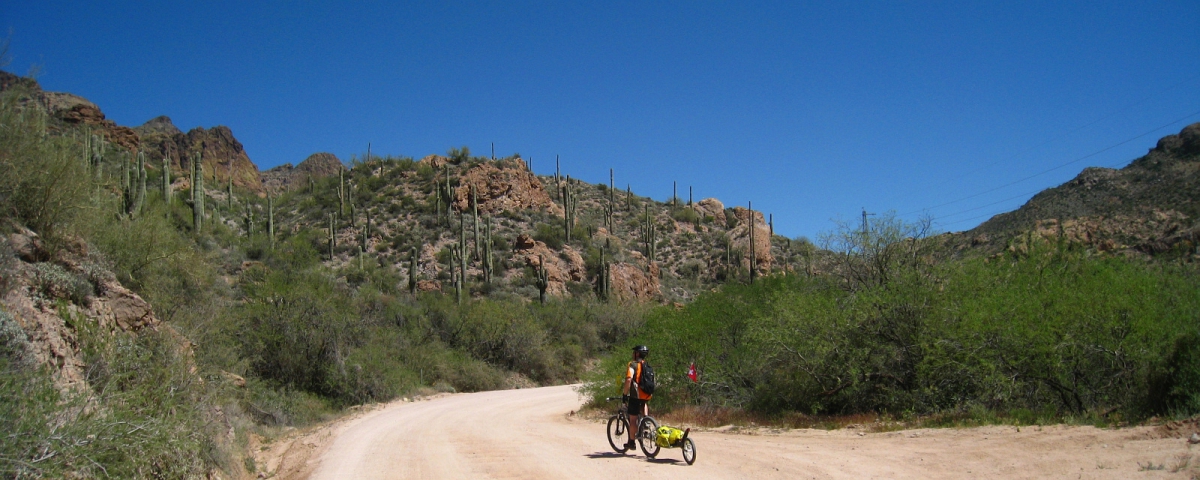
46	182
686	215
15	349
1055	331
144	416
551	235
52	281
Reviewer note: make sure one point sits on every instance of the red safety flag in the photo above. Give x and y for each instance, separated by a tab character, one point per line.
692	372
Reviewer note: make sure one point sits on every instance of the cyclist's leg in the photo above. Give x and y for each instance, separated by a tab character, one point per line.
634	410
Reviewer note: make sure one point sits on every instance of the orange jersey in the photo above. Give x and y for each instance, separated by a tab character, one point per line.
633	374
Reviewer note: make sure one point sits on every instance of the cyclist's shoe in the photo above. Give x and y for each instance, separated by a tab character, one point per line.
631	445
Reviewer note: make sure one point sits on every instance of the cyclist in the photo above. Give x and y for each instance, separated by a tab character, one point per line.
635	402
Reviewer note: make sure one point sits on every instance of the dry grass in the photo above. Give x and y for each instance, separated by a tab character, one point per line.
711	416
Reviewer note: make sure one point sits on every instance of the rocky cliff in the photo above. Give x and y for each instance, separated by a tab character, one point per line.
73	110
222	155
286	177
1150	206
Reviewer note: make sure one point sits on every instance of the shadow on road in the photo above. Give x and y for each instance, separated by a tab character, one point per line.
605	455
664	461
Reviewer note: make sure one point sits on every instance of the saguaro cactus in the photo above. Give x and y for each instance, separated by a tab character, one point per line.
197	192
166	180
487	252
542	280
475	219
650	235
271	219
341	191
366	231
412	271
750	208
126	190
332	236
456	254
437	195
462	248
603	281
141	187
248	219
229	191
449	191
570	203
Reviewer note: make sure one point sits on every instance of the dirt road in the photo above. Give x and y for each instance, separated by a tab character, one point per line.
530	434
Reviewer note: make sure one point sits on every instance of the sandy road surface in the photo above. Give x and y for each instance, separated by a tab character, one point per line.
529	434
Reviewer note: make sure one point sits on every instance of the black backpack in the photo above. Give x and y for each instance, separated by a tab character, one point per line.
646	381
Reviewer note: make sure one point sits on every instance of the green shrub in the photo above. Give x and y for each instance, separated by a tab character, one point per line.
551	235
53	281
1065	334
685	214
1178	388
46	184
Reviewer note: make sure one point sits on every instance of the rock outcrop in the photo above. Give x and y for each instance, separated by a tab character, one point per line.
73	110
740	236
1149	206
45	298
286	177
567	266
630	282
221	153
505	185
711	207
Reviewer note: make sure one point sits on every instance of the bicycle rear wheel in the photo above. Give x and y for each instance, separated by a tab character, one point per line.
647	430
689	451
618	429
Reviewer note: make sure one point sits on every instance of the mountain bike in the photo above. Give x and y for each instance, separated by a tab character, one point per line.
618	431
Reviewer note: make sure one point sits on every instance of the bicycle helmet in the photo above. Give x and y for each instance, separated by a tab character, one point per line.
641	351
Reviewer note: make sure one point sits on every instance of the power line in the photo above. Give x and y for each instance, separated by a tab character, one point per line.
1077	160
1014	197
1064	135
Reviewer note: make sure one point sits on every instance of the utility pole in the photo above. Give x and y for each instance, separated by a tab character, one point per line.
493	151
750	208
865	228
864	216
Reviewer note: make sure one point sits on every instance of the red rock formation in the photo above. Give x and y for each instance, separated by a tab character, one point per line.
629	282
559	270
506	185
740	236
711	207
286	177
222	153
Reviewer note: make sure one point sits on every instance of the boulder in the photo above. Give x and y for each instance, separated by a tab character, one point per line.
560	268
286	177
630	282
221	153
500	186
740	236
711	207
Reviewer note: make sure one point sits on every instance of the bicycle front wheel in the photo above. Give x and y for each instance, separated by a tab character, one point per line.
618	429
647	430
689	451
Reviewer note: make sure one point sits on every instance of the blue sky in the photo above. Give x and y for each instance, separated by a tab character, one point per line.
812	111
